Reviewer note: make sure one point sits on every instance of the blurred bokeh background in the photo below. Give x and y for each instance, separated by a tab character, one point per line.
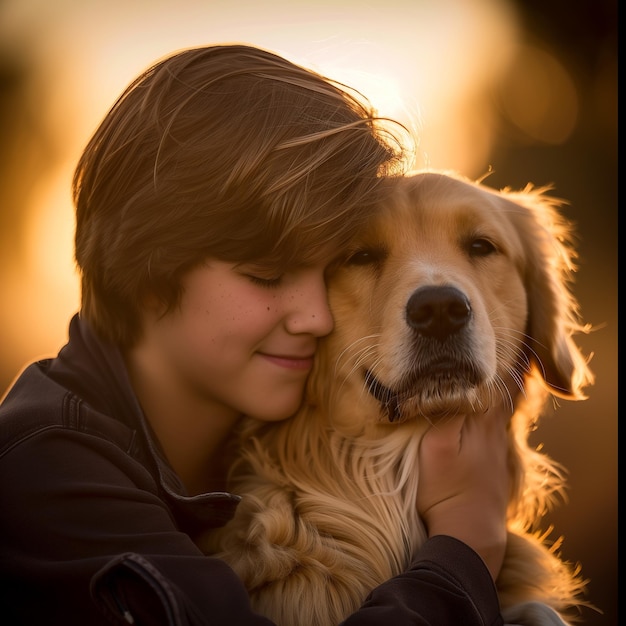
524	89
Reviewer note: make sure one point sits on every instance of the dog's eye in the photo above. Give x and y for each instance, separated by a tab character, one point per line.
481	247
366	256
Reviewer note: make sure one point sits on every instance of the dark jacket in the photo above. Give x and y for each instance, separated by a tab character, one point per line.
95	527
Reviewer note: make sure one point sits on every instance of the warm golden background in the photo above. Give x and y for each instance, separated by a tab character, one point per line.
526	88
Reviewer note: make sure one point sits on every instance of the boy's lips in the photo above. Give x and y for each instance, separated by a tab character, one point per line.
292	362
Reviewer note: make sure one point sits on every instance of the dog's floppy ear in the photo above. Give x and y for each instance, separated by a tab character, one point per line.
553	312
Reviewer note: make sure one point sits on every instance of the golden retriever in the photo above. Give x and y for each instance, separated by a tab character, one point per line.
453	290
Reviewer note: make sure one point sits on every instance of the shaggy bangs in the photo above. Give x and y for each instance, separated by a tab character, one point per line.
229	153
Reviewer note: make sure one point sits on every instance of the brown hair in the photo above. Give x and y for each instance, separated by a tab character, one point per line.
227	151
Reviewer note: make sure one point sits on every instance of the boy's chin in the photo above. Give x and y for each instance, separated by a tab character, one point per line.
277	413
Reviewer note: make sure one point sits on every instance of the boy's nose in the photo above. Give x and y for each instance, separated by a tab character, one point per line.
311	313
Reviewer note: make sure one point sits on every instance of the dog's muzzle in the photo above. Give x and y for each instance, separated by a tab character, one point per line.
442	373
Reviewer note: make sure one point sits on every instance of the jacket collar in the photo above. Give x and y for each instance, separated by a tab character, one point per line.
95	370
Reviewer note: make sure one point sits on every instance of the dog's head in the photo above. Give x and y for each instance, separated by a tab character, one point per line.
452	294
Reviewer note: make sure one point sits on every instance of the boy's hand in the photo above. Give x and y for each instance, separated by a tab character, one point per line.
464	482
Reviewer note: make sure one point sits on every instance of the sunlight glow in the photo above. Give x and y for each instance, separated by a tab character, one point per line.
541	100
427	64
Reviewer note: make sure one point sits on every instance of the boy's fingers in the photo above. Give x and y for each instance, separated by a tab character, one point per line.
445	435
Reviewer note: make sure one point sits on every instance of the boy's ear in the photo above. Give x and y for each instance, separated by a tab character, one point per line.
151	303
553	312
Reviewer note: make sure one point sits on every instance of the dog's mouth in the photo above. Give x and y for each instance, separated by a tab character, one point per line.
441	388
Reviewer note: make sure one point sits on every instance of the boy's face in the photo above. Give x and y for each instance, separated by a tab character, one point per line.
242	340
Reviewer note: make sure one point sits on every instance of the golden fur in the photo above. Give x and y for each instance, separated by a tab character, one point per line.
452	291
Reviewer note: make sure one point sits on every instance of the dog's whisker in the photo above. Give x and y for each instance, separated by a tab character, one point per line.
527	343
355	355
352	352
500	386
365	356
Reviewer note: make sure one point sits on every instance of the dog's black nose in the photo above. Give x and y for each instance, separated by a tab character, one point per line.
438	311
